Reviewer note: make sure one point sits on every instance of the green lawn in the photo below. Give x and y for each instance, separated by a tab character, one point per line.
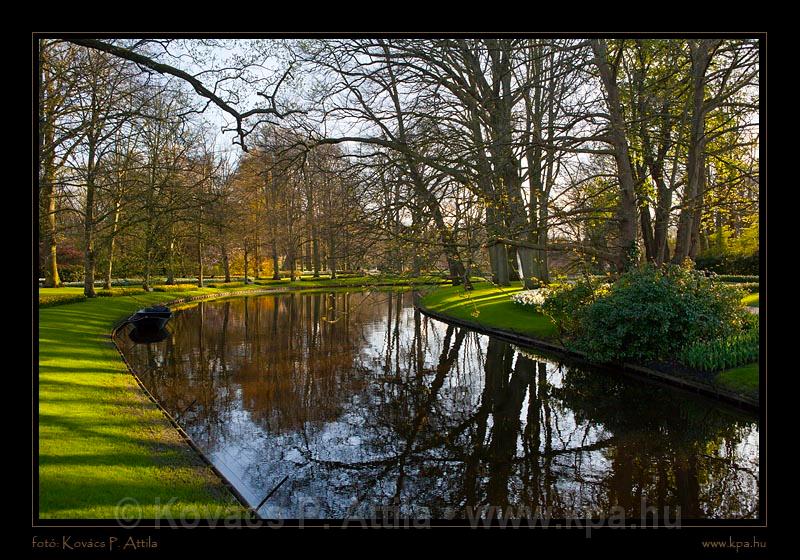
490	306
100	439
743	378
751	300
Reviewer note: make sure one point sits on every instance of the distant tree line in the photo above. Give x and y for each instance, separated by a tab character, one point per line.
510	158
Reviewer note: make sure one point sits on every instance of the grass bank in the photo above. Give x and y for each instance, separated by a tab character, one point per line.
100	439
491	306
743	379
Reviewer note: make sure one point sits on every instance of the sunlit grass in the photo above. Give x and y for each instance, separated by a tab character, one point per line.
490	306
100	439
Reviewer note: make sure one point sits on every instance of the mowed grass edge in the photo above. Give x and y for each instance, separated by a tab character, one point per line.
102	442
490	306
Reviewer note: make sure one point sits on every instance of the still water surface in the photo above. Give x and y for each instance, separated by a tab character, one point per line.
356	402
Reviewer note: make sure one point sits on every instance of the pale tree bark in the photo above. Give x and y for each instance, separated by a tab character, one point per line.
89	256
112	240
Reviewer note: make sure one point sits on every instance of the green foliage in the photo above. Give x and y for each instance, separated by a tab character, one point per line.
652	313
176	287
729	263
566	303
748	287
725	241
59	299
227	285
70	272
737	278
113	292
725	352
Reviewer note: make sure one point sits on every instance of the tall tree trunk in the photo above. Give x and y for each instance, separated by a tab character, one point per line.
51	277
226	265
171	260
199	263
111	242
200	248
291	258
88	242
246	255
276	272
332	253
695	170
315	250
88	219
626	208
507	163
647	233
47	177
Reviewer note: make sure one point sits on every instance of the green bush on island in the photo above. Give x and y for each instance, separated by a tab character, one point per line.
650	313
566	303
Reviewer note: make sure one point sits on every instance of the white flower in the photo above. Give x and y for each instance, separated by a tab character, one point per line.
532	298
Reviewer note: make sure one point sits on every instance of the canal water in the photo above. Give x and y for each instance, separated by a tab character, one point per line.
357	405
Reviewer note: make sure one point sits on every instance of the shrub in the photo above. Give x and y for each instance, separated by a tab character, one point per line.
747	287
120	292
729	263
70	272
225	285
59	299
725	352
566	303
736	278
652	313
174	287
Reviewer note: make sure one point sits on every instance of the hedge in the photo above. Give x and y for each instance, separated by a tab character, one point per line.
729	264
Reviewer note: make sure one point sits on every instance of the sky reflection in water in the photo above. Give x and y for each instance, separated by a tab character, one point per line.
362	402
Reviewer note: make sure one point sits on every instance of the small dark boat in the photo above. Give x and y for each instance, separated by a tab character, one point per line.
147	336
151	318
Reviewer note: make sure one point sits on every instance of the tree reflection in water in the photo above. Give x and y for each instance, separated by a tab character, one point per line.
364	402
